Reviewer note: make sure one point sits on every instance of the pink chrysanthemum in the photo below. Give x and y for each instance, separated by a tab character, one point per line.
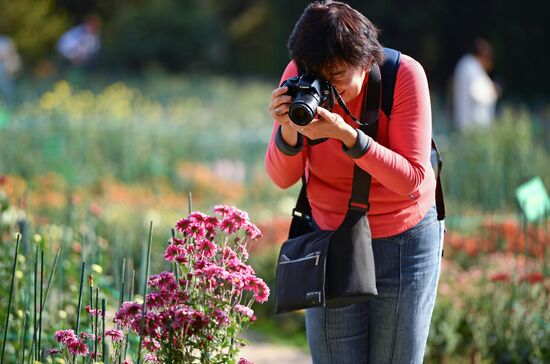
222	210
92	312
128	313
174	251
198	217
228	226
151	344
221	317
164	280
65	336
183	224
87	336
115	335
152	358
252	231
78	347
244	310
207	247
54	351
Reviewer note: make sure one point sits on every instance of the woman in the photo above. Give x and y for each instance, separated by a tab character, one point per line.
335	41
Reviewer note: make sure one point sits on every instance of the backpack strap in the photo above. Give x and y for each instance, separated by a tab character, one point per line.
388	70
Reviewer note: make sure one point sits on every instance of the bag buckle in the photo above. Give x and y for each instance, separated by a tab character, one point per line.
355	206
296	213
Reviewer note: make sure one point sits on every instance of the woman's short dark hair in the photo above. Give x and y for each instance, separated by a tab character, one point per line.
330	34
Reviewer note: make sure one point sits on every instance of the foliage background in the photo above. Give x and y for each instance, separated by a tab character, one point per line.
177	104
248	37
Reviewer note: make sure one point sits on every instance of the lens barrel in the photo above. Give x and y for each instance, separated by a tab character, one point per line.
303	108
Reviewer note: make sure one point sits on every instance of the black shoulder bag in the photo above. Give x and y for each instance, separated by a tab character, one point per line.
332	268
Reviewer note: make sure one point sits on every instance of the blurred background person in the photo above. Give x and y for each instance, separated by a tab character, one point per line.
474	92
10	64
80	45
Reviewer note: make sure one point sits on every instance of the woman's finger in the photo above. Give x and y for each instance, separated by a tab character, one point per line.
327	115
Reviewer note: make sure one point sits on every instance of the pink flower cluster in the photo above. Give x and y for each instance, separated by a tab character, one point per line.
74	344
199	307
210	292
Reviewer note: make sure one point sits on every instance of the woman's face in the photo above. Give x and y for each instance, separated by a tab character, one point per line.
348	80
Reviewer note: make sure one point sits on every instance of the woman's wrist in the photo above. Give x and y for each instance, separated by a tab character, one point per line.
284	147
289	135
361	146
349	136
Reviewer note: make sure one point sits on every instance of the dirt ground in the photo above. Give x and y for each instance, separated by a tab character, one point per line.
267	353
261	351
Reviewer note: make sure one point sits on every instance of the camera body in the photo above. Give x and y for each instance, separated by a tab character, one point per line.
308	92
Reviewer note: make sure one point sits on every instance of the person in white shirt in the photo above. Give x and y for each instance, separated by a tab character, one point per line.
474	92
10	64
80	45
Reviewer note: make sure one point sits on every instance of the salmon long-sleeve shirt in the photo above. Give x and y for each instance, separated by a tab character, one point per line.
403	183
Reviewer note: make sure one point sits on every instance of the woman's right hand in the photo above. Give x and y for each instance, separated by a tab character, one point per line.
278	108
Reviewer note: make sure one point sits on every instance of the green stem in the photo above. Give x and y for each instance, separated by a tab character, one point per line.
79	300
104	345
131	292
41	303
121	301
35	327
50	278
26	327
144	306
9	299
96	339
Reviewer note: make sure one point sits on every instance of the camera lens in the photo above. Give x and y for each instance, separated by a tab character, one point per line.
303	109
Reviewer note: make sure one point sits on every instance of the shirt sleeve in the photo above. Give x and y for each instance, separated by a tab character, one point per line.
403	166
285	164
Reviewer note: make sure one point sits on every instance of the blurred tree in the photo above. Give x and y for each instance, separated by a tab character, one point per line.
34	25
248	37
176	34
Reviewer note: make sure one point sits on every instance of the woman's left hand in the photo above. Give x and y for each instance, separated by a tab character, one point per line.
330	125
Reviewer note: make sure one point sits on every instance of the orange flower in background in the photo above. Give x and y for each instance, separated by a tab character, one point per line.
500	277
274	231
533	278
77	247
76	199
204	180
505	236
95	209
470	245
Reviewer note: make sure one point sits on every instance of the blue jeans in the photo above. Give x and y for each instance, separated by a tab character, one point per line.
393	326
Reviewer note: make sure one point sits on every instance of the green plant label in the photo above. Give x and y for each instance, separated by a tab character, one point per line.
4	117
533	199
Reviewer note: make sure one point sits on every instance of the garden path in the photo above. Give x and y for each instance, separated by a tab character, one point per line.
261	351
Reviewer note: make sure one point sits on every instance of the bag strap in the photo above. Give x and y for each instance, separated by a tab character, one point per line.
438	164
303	208
370	114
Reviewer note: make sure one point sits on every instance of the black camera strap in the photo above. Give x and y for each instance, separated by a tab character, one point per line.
371	104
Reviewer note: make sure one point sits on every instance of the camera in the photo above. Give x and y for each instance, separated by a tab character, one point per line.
308	92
